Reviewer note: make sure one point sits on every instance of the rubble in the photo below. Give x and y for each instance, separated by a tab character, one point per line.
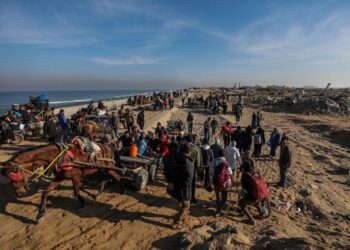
283	243
213	236
308	102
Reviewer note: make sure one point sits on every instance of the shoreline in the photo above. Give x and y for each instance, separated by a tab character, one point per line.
67	104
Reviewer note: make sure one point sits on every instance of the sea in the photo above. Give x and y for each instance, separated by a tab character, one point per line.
65	98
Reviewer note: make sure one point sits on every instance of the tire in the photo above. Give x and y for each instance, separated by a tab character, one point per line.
152	172
18	139
141	179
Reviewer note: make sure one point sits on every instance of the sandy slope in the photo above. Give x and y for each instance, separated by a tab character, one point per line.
142	220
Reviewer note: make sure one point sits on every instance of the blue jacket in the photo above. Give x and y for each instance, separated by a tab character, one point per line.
275	138
62	120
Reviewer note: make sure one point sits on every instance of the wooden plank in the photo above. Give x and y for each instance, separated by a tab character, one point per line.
128	159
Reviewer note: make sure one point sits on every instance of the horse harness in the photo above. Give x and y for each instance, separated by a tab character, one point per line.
20	174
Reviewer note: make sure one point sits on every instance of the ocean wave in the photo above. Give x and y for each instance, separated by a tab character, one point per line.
70	101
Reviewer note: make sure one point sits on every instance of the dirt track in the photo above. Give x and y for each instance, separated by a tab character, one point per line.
142	220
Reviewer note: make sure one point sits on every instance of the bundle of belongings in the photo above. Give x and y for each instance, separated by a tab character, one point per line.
87	146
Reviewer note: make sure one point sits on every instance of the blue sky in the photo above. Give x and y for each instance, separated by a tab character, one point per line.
132	44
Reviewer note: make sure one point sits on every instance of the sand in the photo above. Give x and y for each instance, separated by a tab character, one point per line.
141	220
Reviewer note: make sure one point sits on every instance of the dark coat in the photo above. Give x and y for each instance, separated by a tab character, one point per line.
141	118
182	178
285	157
206	126
50	129
238	137
247	185
216	148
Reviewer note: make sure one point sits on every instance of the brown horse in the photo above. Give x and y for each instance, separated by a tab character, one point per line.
23	164
20	168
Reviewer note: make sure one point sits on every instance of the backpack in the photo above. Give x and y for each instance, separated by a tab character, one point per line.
257	139
260	190
223	178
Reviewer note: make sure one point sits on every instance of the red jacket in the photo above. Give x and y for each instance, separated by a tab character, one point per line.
226	129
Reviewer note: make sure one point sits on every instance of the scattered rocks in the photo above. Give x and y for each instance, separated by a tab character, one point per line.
283	243
215	235
196	236
242	238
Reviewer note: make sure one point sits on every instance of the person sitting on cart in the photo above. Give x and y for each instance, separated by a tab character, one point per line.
135	134
126	141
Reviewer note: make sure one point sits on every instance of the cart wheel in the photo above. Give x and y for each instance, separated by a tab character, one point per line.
152	172
141	179
18	139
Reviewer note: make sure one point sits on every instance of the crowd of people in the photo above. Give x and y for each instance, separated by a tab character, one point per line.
215	161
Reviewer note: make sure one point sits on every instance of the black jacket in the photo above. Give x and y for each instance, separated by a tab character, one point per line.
141	118
214	124
160	131
206	126
190	118
247	185
182	178
285	157
50	129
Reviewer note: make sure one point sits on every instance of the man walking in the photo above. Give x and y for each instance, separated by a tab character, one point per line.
129	119
196	159
50	129
222	177
226	132
232	156
141	119
274	141
180	185
285	161
121	114
214	125
207	129
190	122
115	125
62	121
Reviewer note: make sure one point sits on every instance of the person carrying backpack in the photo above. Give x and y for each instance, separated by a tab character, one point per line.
255	191
222	178
259	141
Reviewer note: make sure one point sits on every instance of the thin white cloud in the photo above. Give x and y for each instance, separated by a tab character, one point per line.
19	27
128	61
296	39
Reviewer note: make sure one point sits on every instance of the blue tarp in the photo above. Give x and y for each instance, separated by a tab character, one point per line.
43	98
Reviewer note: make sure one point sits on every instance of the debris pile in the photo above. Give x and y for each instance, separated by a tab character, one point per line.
307	102
217	235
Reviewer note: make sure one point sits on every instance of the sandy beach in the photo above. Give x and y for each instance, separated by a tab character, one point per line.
141	220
